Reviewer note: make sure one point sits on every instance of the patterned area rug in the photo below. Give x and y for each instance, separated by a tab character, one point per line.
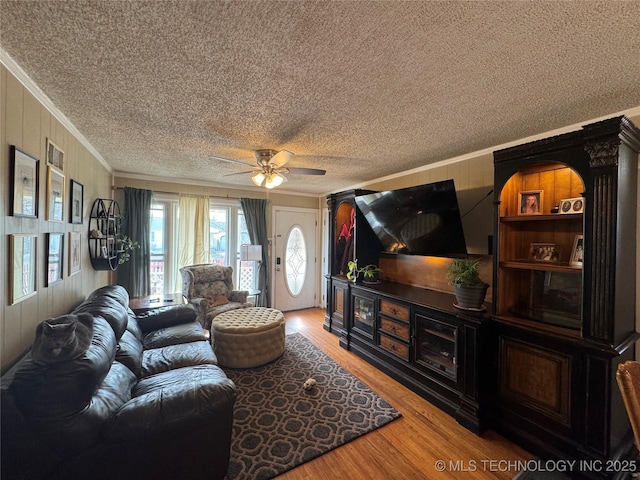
277	425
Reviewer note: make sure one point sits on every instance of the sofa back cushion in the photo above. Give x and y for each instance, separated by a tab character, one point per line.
50	390
110	309
66	401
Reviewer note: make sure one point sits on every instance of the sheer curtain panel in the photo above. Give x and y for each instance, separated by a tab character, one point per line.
193	232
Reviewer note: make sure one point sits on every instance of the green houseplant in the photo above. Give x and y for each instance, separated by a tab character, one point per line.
469	288
125	247
369	272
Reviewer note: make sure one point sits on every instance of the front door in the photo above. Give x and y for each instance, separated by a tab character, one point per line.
294	258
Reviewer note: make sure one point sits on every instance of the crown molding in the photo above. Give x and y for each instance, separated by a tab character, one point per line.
46	102
200	183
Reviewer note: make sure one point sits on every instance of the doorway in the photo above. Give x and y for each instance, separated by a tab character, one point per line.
294	263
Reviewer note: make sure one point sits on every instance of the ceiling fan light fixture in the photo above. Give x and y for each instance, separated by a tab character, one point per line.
258	178
277	179
273	180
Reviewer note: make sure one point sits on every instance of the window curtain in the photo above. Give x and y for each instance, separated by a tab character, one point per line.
193	232
255	214
134	275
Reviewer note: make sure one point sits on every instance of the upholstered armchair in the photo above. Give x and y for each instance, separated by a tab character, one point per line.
209	288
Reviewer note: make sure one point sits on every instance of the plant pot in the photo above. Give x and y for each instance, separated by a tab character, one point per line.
470	297
371	278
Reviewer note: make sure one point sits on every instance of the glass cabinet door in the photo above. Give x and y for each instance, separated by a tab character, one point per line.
363	315
436	346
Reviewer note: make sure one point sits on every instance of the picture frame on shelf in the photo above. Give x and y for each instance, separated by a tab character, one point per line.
572	205
577	252
23	256
55	195
530	202
75	253
544	252
55	156
55	258
76	203
24	184
105	252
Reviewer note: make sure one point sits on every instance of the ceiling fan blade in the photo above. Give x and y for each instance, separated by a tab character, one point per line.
306	171
229	160
281	158
244	172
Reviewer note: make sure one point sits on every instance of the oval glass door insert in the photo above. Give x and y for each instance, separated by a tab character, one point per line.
295	261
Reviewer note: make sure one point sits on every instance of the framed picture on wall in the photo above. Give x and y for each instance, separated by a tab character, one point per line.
55	195
55	254
530	202
24	184
76	203
55	156
75	252
23	256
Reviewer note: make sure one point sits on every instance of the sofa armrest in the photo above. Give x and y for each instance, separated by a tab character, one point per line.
166	317
172	401
239	296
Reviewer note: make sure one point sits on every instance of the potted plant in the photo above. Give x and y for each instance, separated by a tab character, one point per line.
469	288
125	246
369	272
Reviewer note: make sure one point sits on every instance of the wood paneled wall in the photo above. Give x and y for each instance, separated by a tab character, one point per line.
26	123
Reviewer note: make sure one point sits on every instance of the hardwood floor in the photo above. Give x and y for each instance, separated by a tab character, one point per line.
410	447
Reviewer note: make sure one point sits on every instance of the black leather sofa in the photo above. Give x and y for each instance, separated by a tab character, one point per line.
146	401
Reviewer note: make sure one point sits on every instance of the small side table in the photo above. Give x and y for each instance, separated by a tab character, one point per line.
254	294
144	304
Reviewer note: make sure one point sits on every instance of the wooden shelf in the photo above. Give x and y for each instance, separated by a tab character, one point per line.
538	326
542	218
446	336
544	266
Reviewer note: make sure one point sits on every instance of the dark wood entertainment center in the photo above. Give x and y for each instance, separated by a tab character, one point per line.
539	365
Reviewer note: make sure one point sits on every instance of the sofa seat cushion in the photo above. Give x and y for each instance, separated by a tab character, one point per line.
157	360
176	400
185	333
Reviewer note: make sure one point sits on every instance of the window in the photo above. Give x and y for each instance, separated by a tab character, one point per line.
162	234
228	230
295	263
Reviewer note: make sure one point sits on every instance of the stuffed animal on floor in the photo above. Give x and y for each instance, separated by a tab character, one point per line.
309	384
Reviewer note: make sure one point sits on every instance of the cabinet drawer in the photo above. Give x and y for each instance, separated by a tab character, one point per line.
395	328
397	311
395	347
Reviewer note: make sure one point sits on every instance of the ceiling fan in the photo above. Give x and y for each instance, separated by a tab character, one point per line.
271	169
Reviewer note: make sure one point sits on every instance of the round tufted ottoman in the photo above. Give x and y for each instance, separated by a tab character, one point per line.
248	337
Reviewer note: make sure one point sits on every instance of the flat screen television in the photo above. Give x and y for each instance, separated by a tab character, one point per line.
421	220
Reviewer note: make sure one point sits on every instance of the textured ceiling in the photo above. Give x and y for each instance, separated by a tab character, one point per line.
361	89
